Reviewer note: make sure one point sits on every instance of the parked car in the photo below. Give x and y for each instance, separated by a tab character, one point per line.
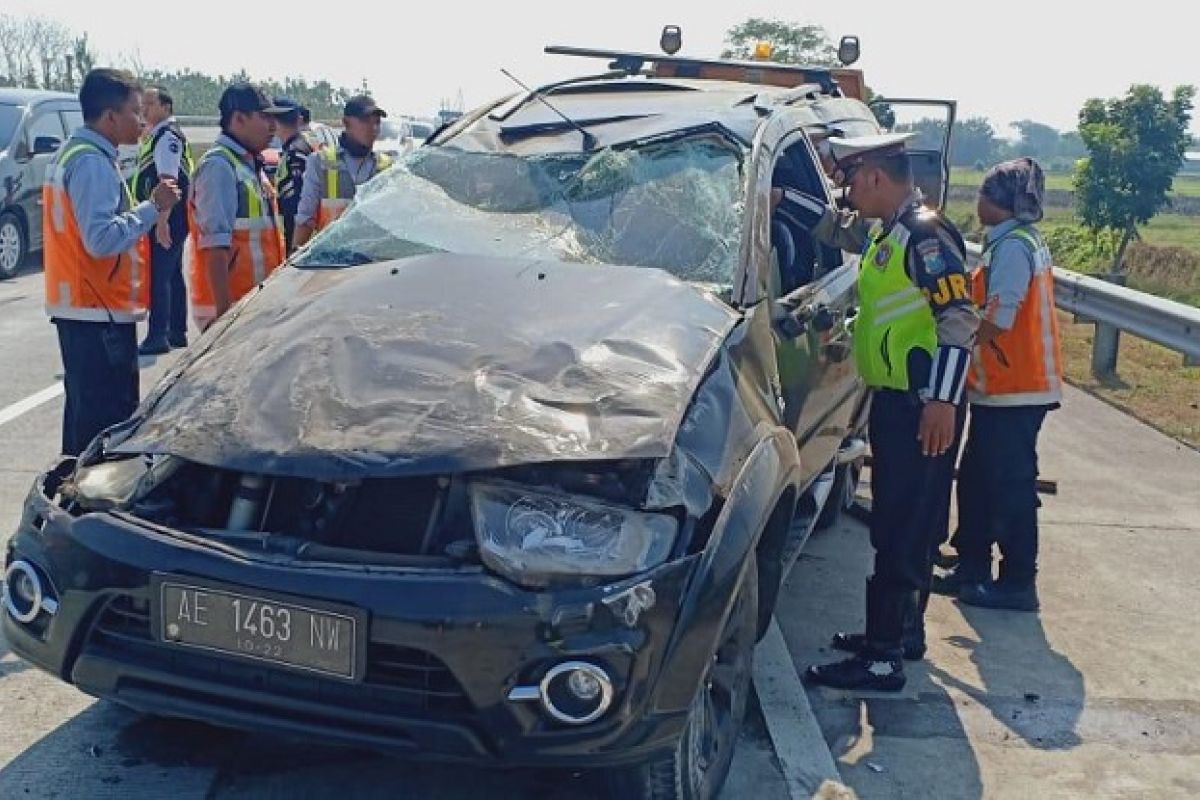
395	138
33	125
507	466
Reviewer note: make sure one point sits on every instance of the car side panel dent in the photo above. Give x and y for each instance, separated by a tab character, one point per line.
770	470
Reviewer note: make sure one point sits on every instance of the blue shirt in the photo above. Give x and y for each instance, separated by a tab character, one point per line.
215	195
98	195
1009	274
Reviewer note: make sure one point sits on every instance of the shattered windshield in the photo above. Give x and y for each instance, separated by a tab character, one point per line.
674	204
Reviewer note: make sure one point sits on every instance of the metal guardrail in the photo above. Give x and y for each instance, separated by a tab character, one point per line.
1118	308
1165	322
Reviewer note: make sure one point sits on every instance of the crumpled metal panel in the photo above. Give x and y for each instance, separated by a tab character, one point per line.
440	363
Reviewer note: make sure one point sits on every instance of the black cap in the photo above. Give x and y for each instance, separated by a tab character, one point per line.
285	103
247	98
362	105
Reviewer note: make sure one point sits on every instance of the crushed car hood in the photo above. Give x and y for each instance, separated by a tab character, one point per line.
438	363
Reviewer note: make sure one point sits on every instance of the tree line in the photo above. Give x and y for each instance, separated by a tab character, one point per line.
41	53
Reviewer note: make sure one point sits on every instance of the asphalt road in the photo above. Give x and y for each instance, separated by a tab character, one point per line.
1096	696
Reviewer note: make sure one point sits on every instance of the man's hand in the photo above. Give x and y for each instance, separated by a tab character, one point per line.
166	194
162	232
936	431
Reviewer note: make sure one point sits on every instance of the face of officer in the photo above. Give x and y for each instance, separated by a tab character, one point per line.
872	191
253	129
123	125
364	130
155	110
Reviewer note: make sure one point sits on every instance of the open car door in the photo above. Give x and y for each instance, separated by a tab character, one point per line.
933	122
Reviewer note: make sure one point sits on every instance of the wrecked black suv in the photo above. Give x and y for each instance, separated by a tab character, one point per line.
507	466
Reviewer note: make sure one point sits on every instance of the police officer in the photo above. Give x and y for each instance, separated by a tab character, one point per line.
334	174
164	151
1016	378
293	158
233	214
96	257
912	342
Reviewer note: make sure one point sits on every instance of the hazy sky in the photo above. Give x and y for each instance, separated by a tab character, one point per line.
1008	61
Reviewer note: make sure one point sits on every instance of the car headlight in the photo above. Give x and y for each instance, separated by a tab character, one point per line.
533	537
113	484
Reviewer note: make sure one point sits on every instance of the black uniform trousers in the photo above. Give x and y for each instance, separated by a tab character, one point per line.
997	493
100	376
168	295
910	492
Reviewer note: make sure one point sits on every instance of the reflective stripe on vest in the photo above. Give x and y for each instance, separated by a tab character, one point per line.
894	316
335	200
145	161
81	286
257	246
1023	365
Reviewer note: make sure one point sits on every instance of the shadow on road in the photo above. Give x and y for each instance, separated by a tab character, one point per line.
911	744
108	751
1028	687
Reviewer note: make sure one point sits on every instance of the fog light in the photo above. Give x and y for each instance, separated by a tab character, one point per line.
22	592
576	692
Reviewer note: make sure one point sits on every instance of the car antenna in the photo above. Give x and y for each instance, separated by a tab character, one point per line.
589	141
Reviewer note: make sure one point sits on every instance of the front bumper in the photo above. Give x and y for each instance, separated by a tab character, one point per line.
444	648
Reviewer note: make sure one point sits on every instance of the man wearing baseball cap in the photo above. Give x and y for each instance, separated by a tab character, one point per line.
232	211
295	149
334	174
912	345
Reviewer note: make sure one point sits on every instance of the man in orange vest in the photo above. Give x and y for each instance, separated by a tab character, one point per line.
96	258
1016	377
232	212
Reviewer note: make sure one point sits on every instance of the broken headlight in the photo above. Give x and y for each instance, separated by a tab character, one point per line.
533	537
115	484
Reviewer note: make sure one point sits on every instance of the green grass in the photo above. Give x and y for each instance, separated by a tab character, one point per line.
1165	230
1185	185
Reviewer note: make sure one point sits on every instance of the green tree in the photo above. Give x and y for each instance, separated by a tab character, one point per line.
1037	140
1135	148
973	141
793	43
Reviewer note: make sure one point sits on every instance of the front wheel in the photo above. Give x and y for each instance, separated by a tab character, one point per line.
696	769
13	245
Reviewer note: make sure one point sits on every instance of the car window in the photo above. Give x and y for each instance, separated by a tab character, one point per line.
10	118
72	121
421	130
677	205
46	123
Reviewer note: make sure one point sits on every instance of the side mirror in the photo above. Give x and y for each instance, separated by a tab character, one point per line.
848	50
45	145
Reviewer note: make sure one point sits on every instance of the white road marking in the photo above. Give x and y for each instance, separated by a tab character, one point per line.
808	766
9	413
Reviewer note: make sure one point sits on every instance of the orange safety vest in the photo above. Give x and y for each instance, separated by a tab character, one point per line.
338	193
1023	365
79	285
257	247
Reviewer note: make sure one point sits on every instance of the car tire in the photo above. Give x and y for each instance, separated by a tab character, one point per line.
14	245
843	495
696	769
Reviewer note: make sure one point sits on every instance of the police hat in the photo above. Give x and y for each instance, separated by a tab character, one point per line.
247	98
362	105
848	151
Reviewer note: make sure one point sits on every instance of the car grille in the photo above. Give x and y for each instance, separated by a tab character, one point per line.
400	680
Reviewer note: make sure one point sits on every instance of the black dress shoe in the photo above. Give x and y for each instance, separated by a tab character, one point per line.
177	340
1006	596
154	347
860	672
914	649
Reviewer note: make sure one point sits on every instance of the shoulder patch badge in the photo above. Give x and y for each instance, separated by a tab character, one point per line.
931	256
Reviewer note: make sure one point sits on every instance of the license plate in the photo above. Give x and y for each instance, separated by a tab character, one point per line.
286	633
